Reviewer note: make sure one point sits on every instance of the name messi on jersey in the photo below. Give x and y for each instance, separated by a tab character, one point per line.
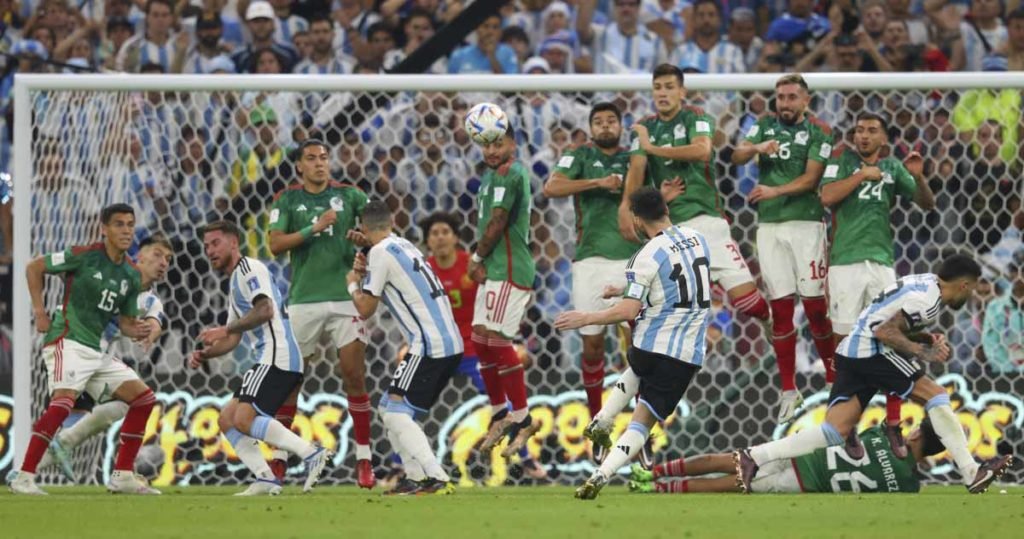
686	243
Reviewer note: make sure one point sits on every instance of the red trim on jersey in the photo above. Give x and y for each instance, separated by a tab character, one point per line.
694	109
577	209
819	123
58	361
799	480
79	249
718	198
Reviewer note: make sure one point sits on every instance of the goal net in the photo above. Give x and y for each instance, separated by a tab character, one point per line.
186	150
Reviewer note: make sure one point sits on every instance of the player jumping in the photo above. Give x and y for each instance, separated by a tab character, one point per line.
255	312
669	281
505	267
882	352
861	187
792	148
100	282
311	221
396	273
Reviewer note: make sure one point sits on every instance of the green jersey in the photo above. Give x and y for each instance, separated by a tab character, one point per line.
95	289
809	140
861	229
508	188
701	196
320	263
832	470
597	210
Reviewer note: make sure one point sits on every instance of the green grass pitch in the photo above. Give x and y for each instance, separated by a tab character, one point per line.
211	512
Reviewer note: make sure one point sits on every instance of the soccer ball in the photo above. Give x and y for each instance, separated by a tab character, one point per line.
486	123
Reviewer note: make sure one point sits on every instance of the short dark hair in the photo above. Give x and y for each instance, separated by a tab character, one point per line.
665	70
309	143
379	27
157	238
957	266
152	67
224	226
514	32
698	3
418	12
376	215
867	115
931	443
605	106
439	217
320	17
792	78
648	204
110	211
151	3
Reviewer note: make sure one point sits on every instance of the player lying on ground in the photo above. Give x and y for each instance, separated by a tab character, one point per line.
154	258
396	273
882	352
827	469
99	283
668	280
255	313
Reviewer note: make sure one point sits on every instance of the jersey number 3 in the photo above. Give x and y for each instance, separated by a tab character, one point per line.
701	274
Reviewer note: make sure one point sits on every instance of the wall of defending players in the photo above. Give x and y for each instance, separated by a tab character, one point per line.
183	443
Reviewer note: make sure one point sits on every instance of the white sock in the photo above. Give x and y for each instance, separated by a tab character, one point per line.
624	389
101	417
413	470
948	428
625	448
795	445
518	416
363	452
274	433
414	441
248	451
279	454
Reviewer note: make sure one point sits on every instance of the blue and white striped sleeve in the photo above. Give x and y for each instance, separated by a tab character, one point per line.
641	273
377	272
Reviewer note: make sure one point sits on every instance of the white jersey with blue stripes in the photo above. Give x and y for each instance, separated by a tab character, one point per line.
271	343
671	276
399	275
916	296
116	345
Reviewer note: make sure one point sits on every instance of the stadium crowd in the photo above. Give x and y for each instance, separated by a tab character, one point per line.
186	159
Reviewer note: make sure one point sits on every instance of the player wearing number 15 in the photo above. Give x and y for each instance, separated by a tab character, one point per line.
311	221
791	148
99	283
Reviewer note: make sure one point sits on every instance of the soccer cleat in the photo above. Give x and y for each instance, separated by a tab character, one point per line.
600	452
11	476
746	469
436	487
523	432
498	429
315	465
533	469
895	435
600	435
62	458
647	454
403	487
280	468
129	483
364	474
593	486
639	474
24	484
789	403
854	447
990	471
262	487
641	487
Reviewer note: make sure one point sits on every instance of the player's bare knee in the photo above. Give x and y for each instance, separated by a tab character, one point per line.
64	393
925	389
593	348
130	390
244	416
741	290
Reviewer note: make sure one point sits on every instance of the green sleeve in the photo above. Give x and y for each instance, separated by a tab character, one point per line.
634	144
570	165
67	260
130	304
702	125
279	215
905	184
360	200
507	190
834	170
821	146
754	134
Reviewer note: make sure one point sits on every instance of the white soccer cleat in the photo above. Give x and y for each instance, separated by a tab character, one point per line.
262	487
315	465
789	403
129	483
25	484
62	457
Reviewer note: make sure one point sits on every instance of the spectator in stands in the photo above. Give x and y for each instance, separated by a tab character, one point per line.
902	55
531	17
417	28
444	10
1014	48
966	332
488	55
533	114
979	105
743	34
707	51
208	47
260	19
557	51
45	36
622	46
671	20
1003	327
843	53
980	34
793	34
303	43
516	37
353	22
156	45
193	193
873	15
286	23
324	58
993	188
381	40
900	10
119	31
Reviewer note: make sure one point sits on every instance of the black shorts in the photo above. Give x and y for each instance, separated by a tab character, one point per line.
85	402
267	387
663	380
420	380
863	377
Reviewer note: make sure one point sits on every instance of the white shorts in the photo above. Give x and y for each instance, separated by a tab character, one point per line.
71	365
776	477
851	287
333	324
500	306
792	258
589	277
727	265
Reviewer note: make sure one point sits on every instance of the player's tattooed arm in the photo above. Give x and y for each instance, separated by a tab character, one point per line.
923	196
366	304
895	333
218	349
634	180
261	313
627	309
495	228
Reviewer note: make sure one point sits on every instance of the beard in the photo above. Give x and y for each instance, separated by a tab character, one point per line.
209	42
607	142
